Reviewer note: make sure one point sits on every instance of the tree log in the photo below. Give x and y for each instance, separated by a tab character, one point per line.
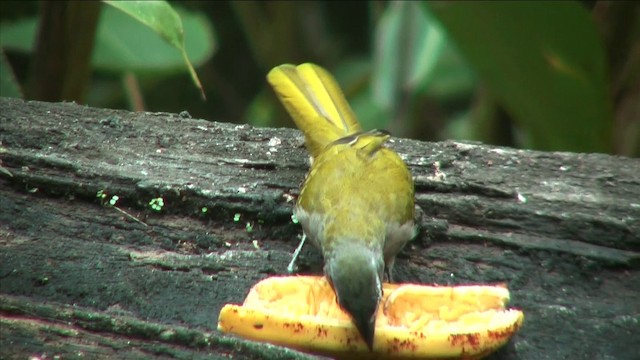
80	277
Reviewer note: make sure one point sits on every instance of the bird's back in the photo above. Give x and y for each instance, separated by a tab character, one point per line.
361	189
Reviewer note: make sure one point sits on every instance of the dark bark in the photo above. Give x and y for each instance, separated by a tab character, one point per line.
78	277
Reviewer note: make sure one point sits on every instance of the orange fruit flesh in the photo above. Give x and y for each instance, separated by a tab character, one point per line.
413	321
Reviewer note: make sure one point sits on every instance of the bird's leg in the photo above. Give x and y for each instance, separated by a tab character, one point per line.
292	264
388	269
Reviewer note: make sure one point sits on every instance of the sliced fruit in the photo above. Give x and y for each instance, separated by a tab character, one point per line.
413	321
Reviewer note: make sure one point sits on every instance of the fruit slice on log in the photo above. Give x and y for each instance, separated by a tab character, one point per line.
413	321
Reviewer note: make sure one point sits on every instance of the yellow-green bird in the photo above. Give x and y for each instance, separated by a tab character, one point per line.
357	202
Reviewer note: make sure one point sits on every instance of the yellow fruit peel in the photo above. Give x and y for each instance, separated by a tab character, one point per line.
413	321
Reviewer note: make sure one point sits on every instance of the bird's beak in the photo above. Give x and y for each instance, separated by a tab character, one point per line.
367	328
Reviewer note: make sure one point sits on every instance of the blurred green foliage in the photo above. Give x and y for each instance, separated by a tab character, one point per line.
535	74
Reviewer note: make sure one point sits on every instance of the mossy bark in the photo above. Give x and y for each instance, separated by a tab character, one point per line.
79	276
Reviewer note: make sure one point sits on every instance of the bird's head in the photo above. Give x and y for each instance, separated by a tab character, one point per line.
355	273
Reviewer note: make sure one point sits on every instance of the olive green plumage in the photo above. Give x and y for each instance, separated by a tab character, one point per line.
357	202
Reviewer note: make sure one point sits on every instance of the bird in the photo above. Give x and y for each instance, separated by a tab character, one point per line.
356	204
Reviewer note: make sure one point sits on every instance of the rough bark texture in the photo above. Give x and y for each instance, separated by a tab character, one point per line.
83	279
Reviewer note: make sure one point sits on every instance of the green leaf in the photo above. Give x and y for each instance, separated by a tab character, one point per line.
19	35
157	16
9	87
124	44
452	77
407	47
544	62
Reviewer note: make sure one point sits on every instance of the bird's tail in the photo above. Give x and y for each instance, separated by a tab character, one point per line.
315	102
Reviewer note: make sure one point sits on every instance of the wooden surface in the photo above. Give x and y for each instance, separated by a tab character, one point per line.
79	278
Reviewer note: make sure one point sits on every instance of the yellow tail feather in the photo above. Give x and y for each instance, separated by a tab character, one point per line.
315	102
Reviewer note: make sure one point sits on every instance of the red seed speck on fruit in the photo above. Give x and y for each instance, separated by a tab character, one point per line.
398	345
296	327
504	334
465	340
322	331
